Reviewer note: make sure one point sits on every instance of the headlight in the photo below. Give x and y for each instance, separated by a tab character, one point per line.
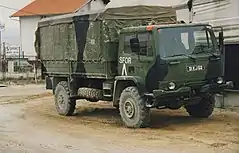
171	85
219	80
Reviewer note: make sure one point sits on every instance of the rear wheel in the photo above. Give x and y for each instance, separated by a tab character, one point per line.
64	105
203	109
132	109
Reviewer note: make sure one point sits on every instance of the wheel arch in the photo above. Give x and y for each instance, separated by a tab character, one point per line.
56	80
122	82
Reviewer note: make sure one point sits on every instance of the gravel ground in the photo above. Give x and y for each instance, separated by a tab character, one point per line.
29	123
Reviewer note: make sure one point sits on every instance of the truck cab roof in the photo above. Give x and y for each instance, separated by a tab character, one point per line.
151	27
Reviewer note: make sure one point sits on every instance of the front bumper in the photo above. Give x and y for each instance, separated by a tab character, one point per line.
216	87
186	91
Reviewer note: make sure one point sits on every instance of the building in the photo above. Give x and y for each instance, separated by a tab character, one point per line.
38	9
216	12
220	13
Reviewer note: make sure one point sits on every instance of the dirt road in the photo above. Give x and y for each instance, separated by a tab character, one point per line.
29	123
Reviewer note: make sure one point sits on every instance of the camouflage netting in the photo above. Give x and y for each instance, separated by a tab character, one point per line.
115	19
64	39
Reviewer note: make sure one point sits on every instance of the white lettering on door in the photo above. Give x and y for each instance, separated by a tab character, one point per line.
124	70
124	61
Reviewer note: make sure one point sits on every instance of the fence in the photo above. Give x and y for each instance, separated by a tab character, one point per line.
19	68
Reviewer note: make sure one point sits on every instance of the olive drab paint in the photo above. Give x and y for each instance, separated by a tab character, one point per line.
89	42
93	45
195	68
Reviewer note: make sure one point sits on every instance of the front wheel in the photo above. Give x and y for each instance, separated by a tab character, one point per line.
133	110
203	109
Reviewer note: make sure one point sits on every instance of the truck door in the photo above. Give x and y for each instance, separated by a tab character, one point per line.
136	63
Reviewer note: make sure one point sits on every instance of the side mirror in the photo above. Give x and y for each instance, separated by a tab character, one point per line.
134	45
221	38
221	41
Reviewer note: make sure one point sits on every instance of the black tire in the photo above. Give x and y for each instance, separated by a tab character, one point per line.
64	105
203	109
141	114
91	94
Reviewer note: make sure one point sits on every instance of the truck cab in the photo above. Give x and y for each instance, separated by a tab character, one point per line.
173	66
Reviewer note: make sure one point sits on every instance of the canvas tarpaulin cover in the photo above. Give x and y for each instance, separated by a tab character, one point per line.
103	27
116	18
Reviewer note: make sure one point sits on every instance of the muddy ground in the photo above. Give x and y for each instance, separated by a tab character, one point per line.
29	123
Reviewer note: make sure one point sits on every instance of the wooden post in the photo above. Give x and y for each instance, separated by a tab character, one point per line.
19	56
35	71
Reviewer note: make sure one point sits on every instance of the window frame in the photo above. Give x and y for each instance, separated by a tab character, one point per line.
149	43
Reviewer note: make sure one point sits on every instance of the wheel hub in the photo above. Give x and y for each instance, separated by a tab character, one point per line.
61	101
129	109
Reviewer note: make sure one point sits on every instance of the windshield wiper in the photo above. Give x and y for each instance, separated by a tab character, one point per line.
201	47
206	51
183	55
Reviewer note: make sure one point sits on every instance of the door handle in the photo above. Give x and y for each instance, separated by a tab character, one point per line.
214	59
174	62
131	69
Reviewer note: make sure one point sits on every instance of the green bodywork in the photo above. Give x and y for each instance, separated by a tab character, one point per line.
97	46
158	71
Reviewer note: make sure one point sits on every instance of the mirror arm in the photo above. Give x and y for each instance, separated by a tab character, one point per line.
221	41
222	50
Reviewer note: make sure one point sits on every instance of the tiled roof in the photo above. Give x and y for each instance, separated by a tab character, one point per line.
50	7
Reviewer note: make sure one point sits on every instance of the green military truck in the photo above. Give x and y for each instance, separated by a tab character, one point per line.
137	57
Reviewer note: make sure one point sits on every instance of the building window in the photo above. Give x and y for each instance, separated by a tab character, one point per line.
106	1
43	17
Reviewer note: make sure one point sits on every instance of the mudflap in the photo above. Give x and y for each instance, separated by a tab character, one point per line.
49	82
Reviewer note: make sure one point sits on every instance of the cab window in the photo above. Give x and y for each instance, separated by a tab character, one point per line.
145	44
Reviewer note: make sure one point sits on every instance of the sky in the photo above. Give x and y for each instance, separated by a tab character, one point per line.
11	34
12	26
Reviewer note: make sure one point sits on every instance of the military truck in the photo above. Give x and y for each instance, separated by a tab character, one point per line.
138	58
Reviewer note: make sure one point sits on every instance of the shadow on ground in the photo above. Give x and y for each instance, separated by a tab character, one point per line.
159	119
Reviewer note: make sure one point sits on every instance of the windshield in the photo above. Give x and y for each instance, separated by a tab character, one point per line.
184	41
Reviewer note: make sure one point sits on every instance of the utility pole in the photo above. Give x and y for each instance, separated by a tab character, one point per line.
4	62
2	27
0	49
19	55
